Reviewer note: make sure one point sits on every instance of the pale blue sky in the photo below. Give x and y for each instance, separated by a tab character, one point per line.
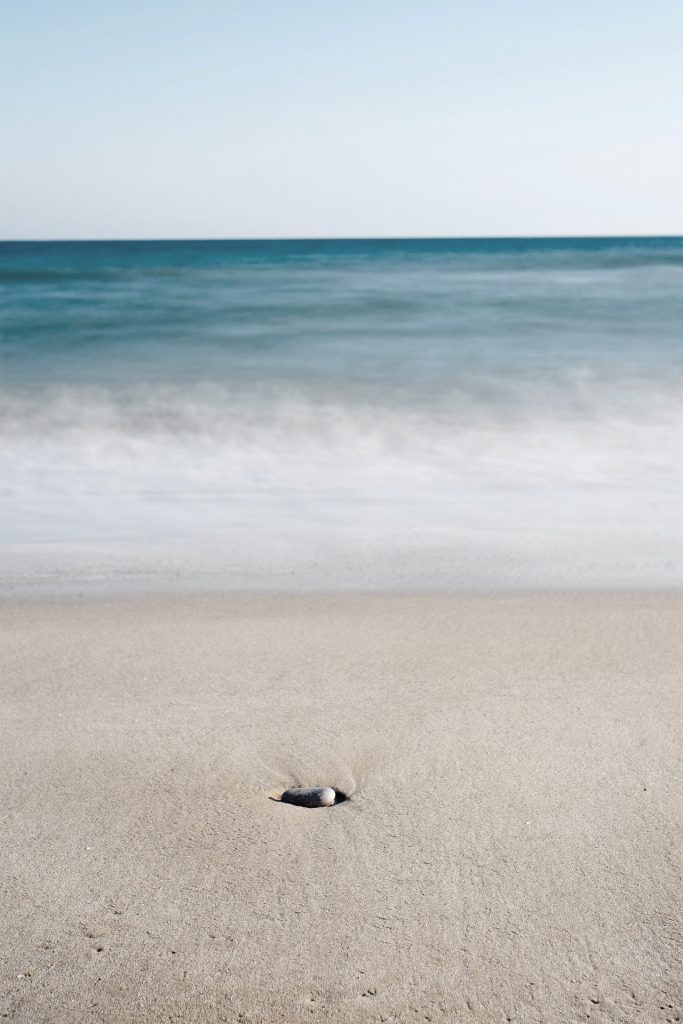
290	118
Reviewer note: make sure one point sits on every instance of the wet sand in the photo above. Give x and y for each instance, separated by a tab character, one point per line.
510	850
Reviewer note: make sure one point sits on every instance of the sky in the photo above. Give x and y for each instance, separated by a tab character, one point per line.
340	118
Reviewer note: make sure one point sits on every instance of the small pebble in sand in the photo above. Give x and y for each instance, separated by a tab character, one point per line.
318	796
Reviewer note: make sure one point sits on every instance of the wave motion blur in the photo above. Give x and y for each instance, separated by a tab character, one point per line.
415	413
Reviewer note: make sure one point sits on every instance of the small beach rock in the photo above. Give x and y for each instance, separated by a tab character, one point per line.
318	796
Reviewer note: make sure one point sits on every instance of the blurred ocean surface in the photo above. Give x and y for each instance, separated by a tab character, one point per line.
418	413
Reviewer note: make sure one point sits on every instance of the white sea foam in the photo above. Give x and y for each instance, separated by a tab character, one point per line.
257	484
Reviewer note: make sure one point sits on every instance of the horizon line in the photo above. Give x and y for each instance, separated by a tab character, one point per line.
339	238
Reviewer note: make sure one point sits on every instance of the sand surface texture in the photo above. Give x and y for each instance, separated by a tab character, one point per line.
510	850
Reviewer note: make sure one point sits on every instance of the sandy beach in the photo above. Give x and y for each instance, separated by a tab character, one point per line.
510	851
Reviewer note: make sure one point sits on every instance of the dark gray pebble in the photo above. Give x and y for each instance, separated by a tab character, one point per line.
318	796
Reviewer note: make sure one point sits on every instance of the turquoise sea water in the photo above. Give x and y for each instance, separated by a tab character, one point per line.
441	413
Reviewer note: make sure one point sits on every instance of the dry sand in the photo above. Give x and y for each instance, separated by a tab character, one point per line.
510	851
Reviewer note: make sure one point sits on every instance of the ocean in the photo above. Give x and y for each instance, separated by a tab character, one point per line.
443	414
